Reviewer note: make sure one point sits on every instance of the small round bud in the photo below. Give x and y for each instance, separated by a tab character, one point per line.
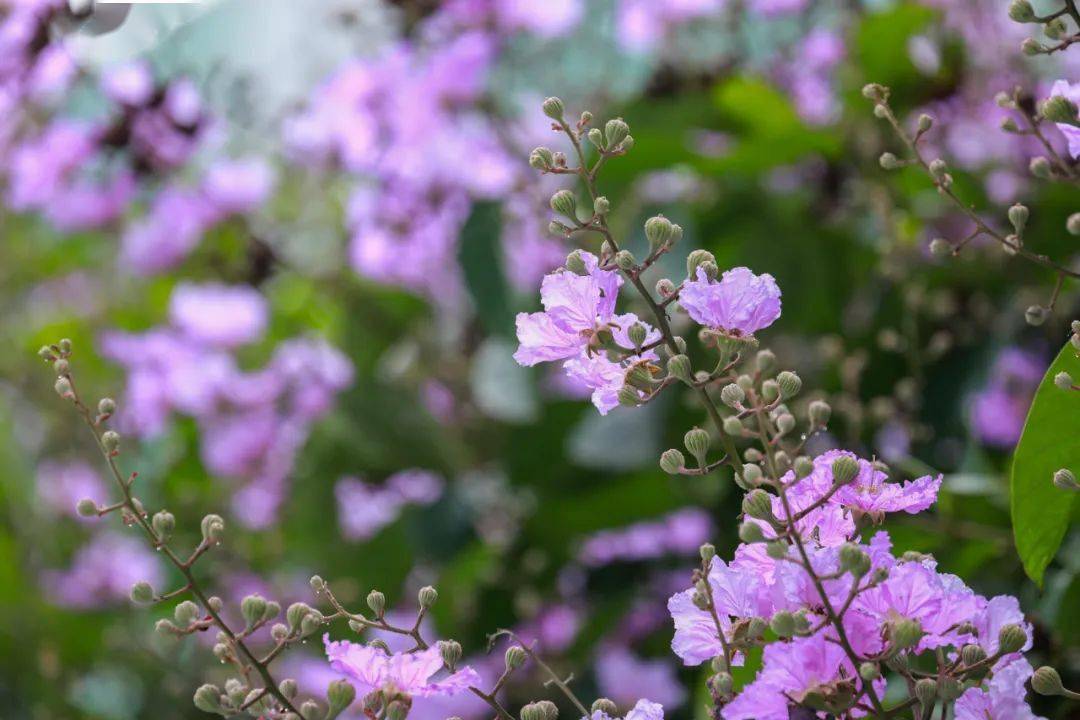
64	346
1018	216
888	161
770	390
854	560
213	529
1031	47
601	206
785	423
1065	480
377	602
1063	380
869	671
515	657
972	654
596	137
215	603
776	549
925	122
605	707
695	259
758	505
844	469
615	131
289	688
553	107
564	203
819	413
709	269
732	395
1072	224
575	263
253	608
61	366
1059	109
625	260
707	552
310	623
1039	167
751	532
672	461
340	695
751	474
940	247
311	710
208	698
1021	11
926	691
279	632
45	353
62	386
451	652
427	597
765	361
185	613
783	624
86	508
1012	638
803	466
733	426
1035	315
678	367
905	633
163	522
938	168
629	396
1047	681
659	230
557	228
296	614
874	91
142	593
722	683
697	443
664	287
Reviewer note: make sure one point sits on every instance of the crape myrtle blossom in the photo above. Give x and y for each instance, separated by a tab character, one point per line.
681	532
999	698
1071	131
365	509
623	677
997	411
410	674
740	303
102	572
579	311
642	710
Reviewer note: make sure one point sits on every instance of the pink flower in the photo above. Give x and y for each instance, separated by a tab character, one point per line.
1071	132
218	315
643	710
1002	698
238	186
410	673
741	303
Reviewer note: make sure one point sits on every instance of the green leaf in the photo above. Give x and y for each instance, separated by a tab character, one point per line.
480	255
1040	511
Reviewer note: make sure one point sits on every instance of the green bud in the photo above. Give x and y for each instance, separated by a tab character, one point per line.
765	361
926	691
659	231
515	657
1065	480
732	395
783	624
844	469
1047	681
709	269
1039	167
575	263
427	597
253	608
596	137
296	614
289	688
803	466
553	107
751	532
733	426
186	613
776	549
854	560
601	206
972	654
1059	109
64	346
722	683
45	353
874	91
1056	29
61	366
451	652
213	529
1018	216
751	474
1072	224
938	168
678	367
164	523
616	130
755	628
605	706
888	161
758	504
770	390
564	203
628	396
925	122
695	259
664	287
142	593
311	710
785	423
541	158
672	461
208	698
557	228
311	623
1009	125
697	443
707	552
111	441
1031	47
1011	638
941	247
905	633
1035	315
625	260
86	508
869	671
340	695
377	602
1021	11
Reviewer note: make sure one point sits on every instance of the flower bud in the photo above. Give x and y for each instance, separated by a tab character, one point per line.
163	522
564	203
450	650
553	107
253	608
557	228
213	529
1059	109
785	423
427	597
541	159
972	654
86	508
874	91
844	469
751	474
575	263
1021	11
1039	166
854	560
1011	638
751	532
888	161
1065	480
1072	224
697	443
672	461
1031	47
925	122
770	390
758	504
311	710
628	396
340	695
1063	380
776	549
938	168
185	613
601	205
625	260
733	426
722	683
605	707
289	688
64	346
1035	315
142	593
111	441
208	698
311	623
279	632
1047	681
678	367
732	395
1018	216
45	353
783	624
905	633
515	657
215	603
695	259
664	287
615	131
765	361
869	671
926	691
707	552
710	269
803	466
296	614
659	231
596	137
61	366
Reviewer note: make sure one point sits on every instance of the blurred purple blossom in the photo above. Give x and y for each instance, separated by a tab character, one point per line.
365	509
623	677
60	486
102	572
997	412
679	533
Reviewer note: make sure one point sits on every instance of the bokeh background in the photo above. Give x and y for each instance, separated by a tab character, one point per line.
296	265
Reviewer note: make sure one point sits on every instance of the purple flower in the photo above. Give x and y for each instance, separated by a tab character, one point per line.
1071	132
549	19
741	303
238	186
218	315
998	411
642	710
175	224
623	677
103	571
365	509
790	670
999	698
681	532
409	673
130	84
62	485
